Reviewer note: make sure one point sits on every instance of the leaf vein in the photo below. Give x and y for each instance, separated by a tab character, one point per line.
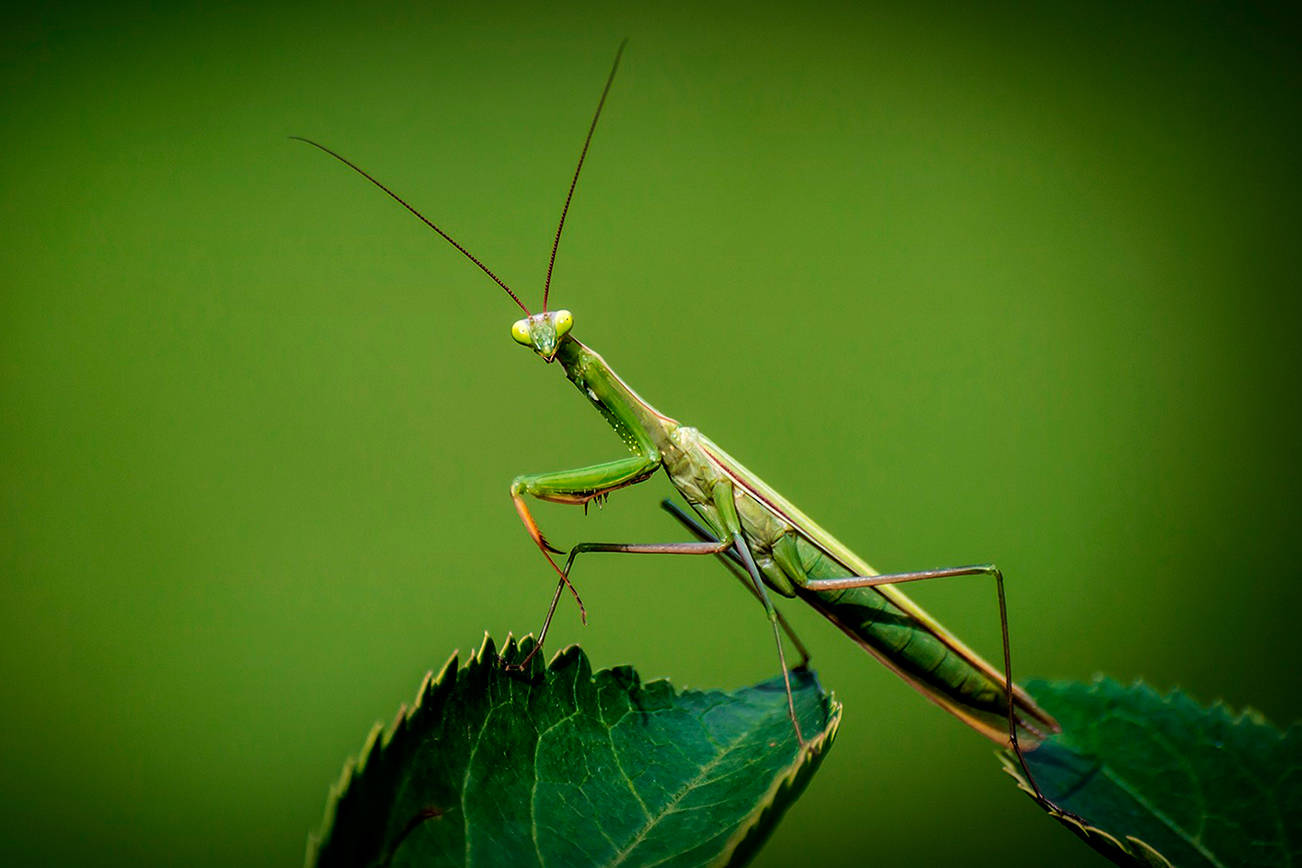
465	782
684	790
1180	833
614	752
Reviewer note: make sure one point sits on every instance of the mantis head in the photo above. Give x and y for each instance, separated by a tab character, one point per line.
542	332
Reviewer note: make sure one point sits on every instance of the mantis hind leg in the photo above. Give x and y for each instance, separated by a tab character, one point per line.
849	582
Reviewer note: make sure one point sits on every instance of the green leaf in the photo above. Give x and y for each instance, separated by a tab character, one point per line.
1158	780
560	766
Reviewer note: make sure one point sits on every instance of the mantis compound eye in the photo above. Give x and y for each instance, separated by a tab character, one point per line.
520	331
564	320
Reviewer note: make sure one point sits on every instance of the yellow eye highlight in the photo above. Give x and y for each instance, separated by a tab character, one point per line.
520	331
563	320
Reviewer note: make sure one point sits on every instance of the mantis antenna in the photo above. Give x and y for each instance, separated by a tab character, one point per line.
359	170
547	285
556	243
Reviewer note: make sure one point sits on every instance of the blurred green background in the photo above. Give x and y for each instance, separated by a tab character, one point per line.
1014	284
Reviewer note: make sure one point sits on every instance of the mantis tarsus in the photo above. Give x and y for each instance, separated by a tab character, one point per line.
773	545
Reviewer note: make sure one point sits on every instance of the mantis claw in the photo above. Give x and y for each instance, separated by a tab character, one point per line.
547	548
523	664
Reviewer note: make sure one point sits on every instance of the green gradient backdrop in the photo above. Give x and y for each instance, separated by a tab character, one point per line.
1008	285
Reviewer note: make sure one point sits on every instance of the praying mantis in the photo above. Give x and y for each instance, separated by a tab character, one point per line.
774	547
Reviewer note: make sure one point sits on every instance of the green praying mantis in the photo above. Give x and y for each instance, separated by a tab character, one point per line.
772	545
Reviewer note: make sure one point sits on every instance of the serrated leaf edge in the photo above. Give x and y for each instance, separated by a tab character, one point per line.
806	760
1101	840
381	737
1136	848
1247	715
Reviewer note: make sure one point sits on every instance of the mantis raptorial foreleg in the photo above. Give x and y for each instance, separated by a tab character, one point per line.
579	485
